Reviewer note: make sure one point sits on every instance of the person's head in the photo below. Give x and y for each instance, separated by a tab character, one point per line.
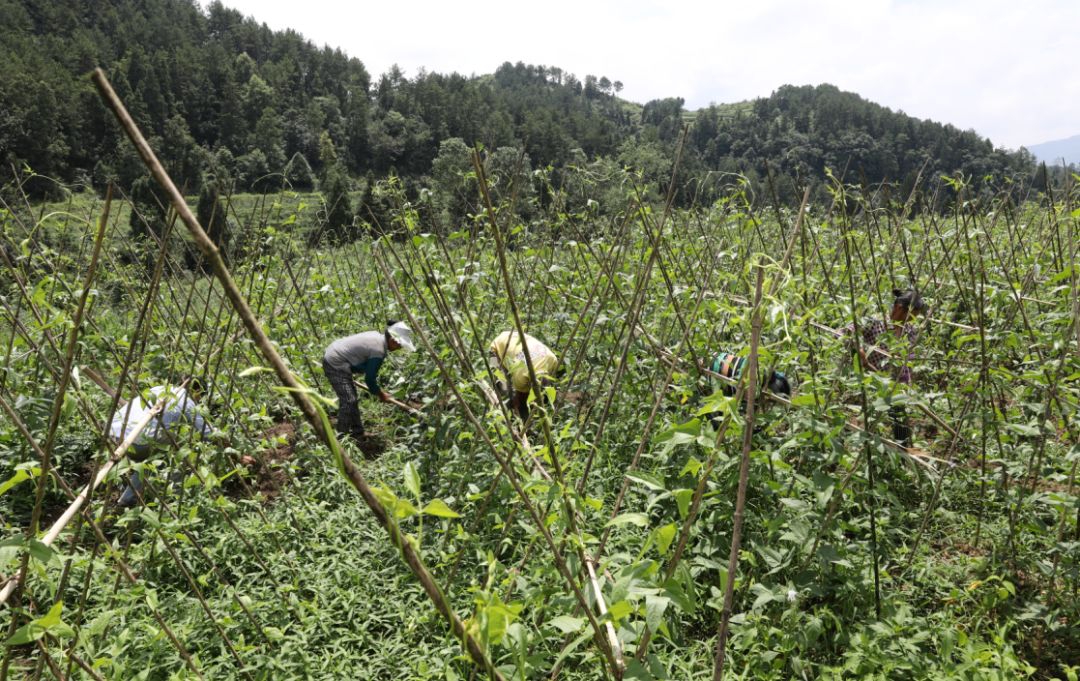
906	302
779	385
399	335
193	386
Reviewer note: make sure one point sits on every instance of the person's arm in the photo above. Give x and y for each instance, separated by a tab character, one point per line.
911	335
190	411
371	377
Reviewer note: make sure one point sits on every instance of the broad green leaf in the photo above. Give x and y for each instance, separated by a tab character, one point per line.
21	475
647	479
438	507
41	552
499	617
664	536
764	596
803	400
620	610
27	633
693	466
639	519
50	623
654	610
567	624
683	497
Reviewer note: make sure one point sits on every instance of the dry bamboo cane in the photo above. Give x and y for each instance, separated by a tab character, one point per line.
296	389
744	477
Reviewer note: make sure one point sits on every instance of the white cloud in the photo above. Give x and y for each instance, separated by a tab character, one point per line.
997	66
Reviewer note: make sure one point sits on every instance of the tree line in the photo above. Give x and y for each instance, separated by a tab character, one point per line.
226	100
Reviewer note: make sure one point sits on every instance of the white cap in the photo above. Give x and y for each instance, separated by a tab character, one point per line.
401	333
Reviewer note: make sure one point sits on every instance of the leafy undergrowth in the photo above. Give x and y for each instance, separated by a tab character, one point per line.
254	558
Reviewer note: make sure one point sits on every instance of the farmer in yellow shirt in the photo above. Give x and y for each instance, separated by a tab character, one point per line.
508	356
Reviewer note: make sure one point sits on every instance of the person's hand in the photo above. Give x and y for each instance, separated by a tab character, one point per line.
385	396
248	460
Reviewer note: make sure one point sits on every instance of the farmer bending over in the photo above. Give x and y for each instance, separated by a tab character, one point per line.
898	339
507	355
181	407
731	366
361	353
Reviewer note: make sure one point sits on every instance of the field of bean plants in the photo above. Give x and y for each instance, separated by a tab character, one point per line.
642	524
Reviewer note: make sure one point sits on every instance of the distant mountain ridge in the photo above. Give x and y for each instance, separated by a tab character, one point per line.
221	95
1052	152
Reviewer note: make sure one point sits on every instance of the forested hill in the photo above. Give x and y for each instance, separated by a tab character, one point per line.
218	90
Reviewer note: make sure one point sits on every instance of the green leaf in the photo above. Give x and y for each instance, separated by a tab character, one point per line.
387	498
25	634
273	633
764	596
639	519
254	370
620	610
664	536
647	479
683	497
50	623
499	617
41	552
567	624
21	475
412	480
654	610
803	400
53	616
680	434
1023	429
438	507
403	508
572	647
693	467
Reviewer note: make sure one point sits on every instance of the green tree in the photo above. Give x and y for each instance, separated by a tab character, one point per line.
454	180
298	174
337	206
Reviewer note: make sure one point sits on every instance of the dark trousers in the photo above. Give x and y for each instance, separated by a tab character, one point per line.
348	418
900	428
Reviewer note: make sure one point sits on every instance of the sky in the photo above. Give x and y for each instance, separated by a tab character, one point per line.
1000	67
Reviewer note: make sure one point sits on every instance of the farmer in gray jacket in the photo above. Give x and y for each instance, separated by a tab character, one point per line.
361	353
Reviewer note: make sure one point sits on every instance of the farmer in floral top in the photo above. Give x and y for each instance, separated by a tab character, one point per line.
898	339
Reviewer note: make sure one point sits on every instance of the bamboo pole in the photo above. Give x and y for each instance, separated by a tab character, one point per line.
744	477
